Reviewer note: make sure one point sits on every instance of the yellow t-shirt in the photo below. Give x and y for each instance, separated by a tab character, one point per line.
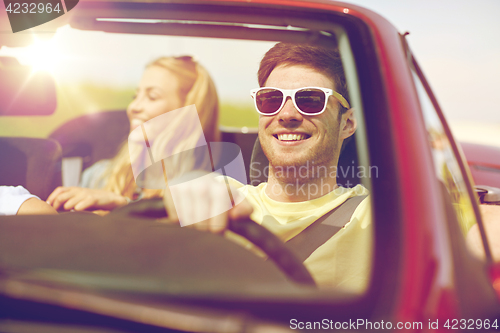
344	261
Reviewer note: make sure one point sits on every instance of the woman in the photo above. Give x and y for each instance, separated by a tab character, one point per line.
168	83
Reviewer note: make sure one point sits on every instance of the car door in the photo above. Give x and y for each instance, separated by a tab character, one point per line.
470	275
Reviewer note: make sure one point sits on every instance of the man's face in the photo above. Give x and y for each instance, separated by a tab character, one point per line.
317	137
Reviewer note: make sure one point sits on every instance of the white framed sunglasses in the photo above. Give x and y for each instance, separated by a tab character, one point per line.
309	101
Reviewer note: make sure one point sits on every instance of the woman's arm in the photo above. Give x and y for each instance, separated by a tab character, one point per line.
89	195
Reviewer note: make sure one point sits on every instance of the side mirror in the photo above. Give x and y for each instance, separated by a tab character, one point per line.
488	194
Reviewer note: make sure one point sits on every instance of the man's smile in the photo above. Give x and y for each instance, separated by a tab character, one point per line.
291	138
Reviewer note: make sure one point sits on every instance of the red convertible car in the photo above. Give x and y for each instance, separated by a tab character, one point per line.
127	272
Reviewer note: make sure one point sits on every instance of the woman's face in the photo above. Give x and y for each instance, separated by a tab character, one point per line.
158	92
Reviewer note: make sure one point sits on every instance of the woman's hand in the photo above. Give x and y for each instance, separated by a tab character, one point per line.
79	199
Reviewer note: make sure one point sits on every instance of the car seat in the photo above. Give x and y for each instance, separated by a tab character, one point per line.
244	139
93	136
31	162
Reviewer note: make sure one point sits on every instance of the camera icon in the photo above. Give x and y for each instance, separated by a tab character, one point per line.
171	151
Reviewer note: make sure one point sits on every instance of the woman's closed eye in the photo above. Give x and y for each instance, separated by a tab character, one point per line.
153	96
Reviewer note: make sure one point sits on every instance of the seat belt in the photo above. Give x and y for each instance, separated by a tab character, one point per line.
324	228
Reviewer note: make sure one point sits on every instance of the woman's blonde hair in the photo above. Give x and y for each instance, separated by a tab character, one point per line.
195	87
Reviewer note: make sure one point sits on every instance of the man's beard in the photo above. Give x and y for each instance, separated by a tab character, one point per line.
306	168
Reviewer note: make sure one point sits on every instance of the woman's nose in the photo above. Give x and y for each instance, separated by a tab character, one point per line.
136	106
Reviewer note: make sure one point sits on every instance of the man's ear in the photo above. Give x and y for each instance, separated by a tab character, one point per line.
348	124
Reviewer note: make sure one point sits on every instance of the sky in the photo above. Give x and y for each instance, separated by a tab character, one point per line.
457	43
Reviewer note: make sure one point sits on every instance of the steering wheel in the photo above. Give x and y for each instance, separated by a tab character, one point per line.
272	246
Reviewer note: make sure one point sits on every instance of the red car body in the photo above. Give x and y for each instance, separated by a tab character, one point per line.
484	163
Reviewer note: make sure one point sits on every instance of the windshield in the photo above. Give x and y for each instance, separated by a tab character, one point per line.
101	79
102	70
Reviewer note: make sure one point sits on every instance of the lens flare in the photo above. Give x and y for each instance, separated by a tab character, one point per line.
42	55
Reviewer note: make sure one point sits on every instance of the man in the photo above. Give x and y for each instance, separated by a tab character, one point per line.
301	135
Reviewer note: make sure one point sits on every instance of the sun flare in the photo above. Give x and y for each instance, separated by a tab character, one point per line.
42	55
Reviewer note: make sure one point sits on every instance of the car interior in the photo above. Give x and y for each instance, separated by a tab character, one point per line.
92	130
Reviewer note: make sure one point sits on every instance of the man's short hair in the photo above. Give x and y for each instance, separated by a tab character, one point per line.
324	60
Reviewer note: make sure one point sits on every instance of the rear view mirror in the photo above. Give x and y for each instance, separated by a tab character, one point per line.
23	93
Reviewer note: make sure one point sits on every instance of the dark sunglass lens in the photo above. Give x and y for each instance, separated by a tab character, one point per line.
269	100
310	100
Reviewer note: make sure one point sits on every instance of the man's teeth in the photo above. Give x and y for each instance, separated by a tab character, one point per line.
291	137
